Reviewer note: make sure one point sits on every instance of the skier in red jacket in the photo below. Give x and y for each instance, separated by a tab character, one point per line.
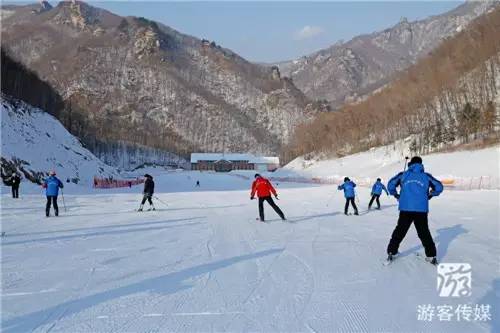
264	189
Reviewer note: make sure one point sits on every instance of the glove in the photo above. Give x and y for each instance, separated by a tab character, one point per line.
251	198
429	196
396	196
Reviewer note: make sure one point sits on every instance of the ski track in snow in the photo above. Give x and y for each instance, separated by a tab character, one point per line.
204	264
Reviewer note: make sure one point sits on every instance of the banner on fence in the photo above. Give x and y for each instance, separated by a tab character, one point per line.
452	183
115	183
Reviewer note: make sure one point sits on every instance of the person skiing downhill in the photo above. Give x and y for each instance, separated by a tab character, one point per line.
416	189
15	181
263	188
377	189
52	184
149	190
349	195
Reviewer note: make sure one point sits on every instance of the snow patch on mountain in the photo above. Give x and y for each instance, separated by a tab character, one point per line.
36	142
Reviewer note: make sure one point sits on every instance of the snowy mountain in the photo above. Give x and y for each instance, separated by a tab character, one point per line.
447	99
34	142
128	79
347	71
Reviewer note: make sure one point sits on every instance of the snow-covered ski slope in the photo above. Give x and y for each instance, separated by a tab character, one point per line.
37	138
476	167
204	264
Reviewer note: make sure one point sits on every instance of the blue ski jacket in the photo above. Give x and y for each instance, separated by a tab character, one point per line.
378	187
52	185
348	188
417	187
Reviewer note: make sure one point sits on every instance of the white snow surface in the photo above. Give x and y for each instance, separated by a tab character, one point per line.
203	263
387	161
34	136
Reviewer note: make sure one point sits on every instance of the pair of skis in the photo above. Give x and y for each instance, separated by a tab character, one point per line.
389	261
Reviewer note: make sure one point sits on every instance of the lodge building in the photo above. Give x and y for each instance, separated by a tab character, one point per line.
227	162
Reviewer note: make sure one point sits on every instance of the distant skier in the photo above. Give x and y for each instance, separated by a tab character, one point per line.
377	189
197	183
263	188
52	184
15	181
149	190
417	187
349	195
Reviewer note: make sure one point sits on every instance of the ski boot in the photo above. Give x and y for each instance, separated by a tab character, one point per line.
140	208
432	260
391	257
356	213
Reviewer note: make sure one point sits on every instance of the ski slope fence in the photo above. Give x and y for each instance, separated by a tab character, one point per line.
115	183
450	183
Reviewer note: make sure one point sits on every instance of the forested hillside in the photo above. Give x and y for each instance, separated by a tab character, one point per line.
448	98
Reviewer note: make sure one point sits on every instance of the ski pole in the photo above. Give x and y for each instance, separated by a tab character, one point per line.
406	161
64	204
160	200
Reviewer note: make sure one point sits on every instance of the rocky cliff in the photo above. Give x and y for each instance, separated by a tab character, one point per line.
128	79
346	72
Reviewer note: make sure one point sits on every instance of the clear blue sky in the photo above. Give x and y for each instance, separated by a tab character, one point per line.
274	31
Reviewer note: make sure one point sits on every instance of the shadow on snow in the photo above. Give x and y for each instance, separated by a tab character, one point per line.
110	232
163	285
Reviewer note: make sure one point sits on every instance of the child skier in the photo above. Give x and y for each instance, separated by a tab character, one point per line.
376	192
263	188
349	195
149	189
417	187
52	185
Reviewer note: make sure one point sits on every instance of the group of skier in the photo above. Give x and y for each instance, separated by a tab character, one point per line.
416	188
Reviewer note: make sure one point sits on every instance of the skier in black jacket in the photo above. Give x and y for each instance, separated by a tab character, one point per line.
15	181
149	189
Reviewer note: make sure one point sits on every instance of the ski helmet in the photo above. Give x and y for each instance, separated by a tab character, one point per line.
346	179
256	175
378	179
415	160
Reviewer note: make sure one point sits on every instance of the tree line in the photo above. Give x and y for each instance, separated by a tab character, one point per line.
448	97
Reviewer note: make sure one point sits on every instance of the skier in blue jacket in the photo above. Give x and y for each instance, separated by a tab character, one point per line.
377	189
416	188
52	184
349	195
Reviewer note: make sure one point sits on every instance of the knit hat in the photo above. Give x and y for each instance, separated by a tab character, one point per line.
415	160
346	179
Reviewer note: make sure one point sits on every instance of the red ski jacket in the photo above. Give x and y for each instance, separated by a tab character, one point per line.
263	188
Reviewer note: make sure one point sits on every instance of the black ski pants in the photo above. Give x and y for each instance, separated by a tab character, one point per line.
421	224
347	201
15	191
374	197
51	199
147	196
270	201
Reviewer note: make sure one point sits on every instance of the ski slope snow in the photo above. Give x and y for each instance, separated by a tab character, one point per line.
203	263
387	161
